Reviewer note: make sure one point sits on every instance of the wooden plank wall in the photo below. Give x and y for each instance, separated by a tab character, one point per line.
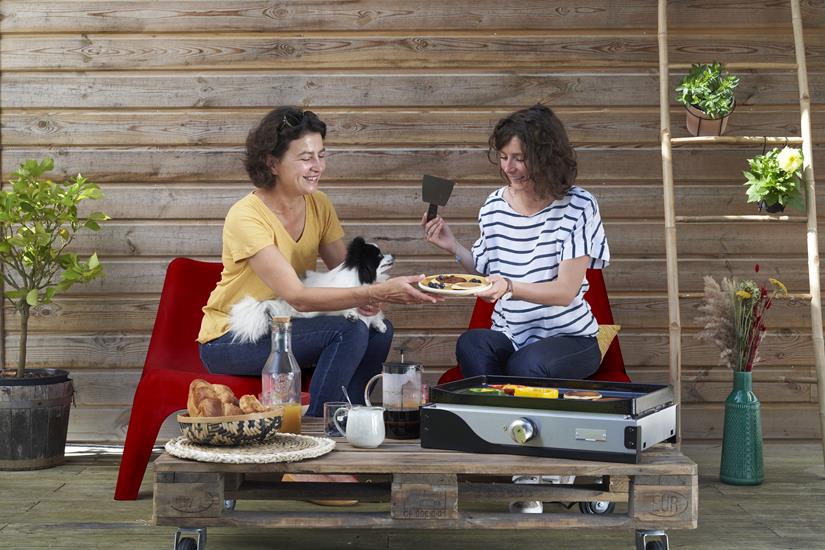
153	100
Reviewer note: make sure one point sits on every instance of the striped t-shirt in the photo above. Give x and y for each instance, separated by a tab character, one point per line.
529	249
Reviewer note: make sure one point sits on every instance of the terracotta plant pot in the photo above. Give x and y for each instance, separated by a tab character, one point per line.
698	123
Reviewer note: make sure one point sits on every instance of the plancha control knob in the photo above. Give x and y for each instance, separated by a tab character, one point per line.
522	430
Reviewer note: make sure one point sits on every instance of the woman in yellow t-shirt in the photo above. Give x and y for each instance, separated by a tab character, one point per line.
271	237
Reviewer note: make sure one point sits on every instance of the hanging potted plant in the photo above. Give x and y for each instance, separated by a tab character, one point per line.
775	180
39	219
707	94
734	320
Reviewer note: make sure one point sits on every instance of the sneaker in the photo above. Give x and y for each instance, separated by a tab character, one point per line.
526	507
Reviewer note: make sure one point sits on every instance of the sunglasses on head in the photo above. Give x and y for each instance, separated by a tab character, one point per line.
290	120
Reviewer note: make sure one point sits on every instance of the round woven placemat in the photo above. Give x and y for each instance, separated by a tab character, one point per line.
285	448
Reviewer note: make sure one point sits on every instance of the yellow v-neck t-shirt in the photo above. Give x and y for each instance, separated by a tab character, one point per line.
251	226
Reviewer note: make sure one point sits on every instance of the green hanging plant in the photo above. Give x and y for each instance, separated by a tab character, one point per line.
709	88
775	178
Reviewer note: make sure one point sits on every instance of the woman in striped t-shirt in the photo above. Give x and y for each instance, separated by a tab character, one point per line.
539	234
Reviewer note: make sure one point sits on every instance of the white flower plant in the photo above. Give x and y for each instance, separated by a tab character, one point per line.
775	178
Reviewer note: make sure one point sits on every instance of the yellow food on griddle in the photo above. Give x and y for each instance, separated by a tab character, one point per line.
527	391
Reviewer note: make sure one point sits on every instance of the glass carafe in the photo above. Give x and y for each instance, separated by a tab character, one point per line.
281	376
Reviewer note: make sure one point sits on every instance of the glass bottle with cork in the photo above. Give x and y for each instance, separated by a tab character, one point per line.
281	376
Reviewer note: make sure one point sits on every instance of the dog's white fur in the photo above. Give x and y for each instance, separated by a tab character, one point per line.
249	319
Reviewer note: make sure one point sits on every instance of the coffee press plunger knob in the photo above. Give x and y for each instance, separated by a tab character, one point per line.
522	430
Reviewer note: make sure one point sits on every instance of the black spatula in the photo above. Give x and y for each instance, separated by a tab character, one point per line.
435	191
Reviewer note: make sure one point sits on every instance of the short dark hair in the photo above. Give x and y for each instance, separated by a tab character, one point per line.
273	135
548	155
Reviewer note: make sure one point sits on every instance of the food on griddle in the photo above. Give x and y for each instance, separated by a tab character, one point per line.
489	391
546	393
582	394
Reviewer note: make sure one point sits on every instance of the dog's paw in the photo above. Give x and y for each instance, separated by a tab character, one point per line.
379	325
351	315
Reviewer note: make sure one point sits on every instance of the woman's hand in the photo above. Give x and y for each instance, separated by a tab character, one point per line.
496	291
402	290
437	231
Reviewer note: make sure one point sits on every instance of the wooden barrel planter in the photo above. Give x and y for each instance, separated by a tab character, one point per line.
34	419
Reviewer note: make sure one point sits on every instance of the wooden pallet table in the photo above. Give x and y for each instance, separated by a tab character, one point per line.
427	489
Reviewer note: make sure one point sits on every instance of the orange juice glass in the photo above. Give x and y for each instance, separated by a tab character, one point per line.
291	422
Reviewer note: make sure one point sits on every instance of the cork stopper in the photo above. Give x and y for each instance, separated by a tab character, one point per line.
281	320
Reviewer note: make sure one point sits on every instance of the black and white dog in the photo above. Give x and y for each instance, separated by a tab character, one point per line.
365	264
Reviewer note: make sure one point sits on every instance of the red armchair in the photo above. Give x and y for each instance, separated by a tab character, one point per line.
612	366
172	362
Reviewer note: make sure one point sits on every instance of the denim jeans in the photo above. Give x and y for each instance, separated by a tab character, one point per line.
344	353
486	351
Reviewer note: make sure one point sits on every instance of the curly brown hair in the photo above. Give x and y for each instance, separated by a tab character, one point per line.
272	137
548	155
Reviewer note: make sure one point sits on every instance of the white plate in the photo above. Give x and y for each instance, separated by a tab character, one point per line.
458	291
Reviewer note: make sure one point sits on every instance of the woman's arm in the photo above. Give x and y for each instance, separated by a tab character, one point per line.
273	269
333	254
554	293
439	233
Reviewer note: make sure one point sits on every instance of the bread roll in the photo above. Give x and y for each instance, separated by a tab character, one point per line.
250	404
225	394
193	400
230	409
210	406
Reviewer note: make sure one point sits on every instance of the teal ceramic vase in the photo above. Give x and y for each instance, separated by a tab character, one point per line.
742	462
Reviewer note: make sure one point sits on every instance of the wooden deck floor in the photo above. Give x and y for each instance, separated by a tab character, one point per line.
71	507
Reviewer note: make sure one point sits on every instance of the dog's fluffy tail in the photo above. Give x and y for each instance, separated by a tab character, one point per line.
249	320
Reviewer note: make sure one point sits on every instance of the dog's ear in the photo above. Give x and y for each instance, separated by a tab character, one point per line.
364	258
355	252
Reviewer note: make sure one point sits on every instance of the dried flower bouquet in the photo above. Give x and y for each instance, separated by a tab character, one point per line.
734	318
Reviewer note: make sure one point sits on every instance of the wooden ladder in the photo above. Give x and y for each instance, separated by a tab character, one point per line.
667	142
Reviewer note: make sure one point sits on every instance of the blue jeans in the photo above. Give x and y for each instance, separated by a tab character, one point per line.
345	353
486	351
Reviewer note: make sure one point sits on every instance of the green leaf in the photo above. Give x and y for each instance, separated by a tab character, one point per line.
93	261
31	297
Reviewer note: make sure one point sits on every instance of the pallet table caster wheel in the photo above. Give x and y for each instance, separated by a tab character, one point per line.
190	539
651	540
229	504
597	507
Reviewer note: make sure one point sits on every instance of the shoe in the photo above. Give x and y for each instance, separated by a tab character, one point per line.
526	507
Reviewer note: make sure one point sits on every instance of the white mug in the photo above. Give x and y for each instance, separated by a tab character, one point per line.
365	425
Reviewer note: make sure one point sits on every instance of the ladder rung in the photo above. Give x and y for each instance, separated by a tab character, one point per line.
743	66
742	218
728	140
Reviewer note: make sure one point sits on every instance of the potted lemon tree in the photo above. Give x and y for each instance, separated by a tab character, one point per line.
707	93
39	219
775	180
